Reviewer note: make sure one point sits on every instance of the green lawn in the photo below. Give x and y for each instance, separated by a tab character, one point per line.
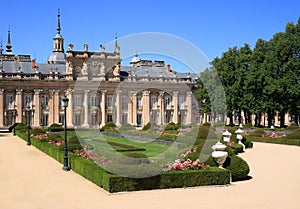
101	142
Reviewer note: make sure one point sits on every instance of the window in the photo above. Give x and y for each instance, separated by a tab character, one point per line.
45	120
45	102
109	118
10	101
153	102
94	120
181	102
139	103
93	101
124	118
27	101
153	118
109	102
62	119
168	102
77	101
124	103
77	120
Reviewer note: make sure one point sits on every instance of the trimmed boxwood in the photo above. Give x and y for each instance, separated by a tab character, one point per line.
238	167
55	128
171	179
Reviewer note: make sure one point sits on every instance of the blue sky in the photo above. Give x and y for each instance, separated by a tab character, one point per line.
212	26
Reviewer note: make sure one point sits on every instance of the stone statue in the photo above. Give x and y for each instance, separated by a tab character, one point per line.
102	47
70	47
102	69
86	47
84	70
116	70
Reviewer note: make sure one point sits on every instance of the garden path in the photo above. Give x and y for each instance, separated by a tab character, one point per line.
29	179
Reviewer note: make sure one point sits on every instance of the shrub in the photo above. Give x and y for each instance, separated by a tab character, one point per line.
258	133
294	135
147	126
248	126
74	144
171	179
21	126
167	137
172	126
38	131
237	148
134	158
203	132
55	137
292	126
127	127
55	128
207	124
237	166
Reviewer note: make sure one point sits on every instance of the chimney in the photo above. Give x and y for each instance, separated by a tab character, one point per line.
33	64
168	68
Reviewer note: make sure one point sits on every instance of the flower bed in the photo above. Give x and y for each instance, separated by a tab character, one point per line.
185	173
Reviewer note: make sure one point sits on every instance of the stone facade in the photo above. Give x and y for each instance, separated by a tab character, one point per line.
99	88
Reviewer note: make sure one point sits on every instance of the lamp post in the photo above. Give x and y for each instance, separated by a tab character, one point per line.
64	103
28	124
15	114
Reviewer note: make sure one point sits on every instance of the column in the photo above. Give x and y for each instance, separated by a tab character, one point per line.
86	109
161	104
37	110
56	106
175	104
189	107
103	108
134	110
146	108
19	104
1	107
130	109
118	108
69	115
51	108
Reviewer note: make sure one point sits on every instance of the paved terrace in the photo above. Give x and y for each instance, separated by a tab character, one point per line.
29	179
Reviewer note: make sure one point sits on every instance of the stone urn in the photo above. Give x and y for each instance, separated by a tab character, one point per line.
239	137
226	136
219	146
218	154
219	157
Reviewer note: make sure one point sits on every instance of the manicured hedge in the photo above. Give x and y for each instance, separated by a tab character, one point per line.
238	167
171	179
114	183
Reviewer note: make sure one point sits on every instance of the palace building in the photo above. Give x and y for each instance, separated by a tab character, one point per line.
99	88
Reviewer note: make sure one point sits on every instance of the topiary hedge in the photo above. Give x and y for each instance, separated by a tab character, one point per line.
238	167
147	127
171	179
55	128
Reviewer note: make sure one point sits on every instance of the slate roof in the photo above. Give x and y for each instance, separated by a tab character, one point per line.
25	67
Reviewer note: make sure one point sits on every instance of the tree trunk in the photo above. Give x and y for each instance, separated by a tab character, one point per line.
230	115
270	118
282	114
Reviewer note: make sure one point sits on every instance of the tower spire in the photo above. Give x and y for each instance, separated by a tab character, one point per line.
1	50
117	48
58	22
8	45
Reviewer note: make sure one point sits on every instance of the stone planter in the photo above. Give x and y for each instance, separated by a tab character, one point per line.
219	157
239	137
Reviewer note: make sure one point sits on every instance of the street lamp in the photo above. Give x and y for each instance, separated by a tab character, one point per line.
28	124
64	104
15	114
